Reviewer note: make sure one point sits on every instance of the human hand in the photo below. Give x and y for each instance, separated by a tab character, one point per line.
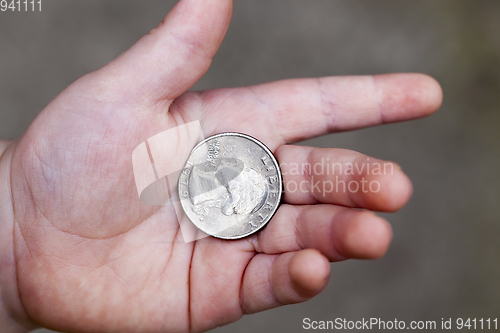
83	253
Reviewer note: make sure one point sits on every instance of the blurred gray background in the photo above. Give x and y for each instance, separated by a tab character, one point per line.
444	260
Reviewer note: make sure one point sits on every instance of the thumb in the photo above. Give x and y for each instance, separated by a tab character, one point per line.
176	54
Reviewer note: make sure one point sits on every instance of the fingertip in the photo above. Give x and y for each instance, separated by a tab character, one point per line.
425	94
387	189
406	96
368	236
309	272
394	190
434	97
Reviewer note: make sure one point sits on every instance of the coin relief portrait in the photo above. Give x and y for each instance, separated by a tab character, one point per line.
227	184
231	184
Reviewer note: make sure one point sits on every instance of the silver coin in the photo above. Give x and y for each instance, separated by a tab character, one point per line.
231	185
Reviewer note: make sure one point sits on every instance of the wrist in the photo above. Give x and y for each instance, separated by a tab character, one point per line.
13	318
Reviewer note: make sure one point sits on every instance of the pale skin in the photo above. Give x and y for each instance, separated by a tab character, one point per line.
80	252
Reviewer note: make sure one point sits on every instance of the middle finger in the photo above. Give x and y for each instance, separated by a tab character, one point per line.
342	177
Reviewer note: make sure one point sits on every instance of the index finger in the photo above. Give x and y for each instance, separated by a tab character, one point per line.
293	110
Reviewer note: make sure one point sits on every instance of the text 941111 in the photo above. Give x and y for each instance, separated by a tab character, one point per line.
21	5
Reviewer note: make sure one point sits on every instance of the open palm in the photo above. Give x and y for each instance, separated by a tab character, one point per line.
90	256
